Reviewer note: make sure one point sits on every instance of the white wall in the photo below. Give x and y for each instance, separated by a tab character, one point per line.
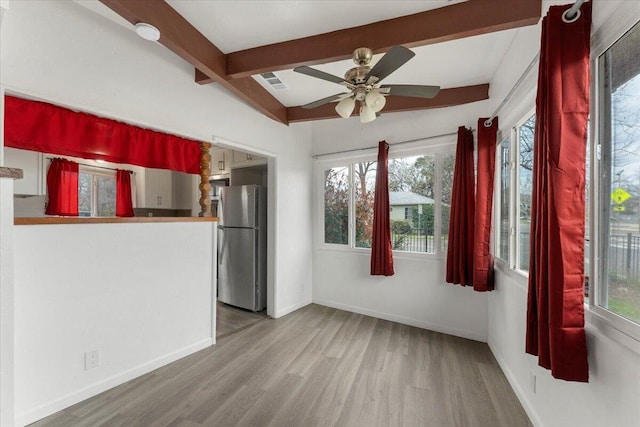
611	397
143	294
64	53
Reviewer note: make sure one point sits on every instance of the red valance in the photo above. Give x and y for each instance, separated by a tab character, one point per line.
47	128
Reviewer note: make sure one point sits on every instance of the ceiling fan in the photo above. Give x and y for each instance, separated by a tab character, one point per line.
364	86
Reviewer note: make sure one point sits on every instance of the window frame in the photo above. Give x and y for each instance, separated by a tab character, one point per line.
624	330
512	261
438	149
95	172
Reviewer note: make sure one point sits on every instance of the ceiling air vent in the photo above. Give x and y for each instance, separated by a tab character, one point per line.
273	81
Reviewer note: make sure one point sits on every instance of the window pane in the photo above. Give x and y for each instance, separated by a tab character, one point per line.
336	206
84	194
505	199
448	163
411	192
525	185
620	190
365	182
106	196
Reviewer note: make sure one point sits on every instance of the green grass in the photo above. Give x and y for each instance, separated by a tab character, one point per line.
624	308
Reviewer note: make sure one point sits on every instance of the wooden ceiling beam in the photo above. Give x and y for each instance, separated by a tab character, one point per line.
183	39
446	98
471	18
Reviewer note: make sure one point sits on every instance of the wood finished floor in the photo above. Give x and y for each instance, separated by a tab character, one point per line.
231	319
315	367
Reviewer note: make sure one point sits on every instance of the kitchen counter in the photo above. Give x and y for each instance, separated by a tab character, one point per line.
52	220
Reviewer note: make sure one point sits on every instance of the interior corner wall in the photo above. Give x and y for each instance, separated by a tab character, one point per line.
61	52
611	396
417	294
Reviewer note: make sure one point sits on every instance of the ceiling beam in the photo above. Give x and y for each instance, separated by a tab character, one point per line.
183	39
445	98
471	18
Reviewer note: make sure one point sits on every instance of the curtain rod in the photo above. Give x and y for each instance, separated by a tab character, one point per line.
94	166
390	144
570	15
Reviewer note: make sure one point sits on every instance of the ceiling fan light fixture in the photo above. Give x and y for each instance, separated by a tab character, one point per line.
367	114
375	100
346	107
147	31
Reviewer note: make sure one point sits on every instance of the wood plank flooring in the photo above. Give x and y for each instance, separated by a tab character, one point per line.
315	367
232	319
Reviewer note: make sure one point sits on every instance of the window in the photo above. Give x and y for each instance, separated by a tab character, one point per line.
524	135
96	192
420	194
447	165
504	195
336	205
365	185
407	214
618	205
513	196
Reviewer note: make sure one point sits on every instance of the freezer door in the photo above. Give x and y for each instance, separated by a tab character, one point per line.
238	206
237	277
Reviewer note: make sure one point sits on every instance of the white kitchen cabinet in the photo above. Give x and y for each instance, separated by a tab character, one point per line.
243	160
221	157
31	163
158	188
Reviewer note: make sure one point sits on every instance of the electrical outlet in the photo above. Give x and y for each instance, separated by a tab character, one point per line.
91	359
532	382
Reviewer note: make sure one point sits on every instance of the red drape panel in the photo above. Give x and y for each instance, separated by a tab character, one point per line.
124	202
381	254
483	260
62	188
555	313
460	245
38	126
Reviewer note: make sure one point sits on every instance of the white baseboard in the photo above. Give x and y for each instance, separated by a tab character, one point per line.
404	320
291	308
517	388
70	399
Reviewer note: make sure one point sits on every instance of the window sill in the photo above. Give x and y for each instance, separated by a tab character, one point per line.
106	220
595	322
367	252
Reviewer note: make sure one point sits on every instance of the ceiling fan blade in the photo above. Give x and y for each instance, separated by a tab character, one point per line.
415	91
321	75
391	61
328	99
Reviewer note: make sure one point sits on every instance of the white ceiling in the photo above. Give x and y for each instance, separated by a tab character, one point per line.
242	24
238	25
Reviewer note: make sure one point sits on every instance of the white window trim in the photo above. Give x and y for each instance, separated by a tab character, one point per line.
604	321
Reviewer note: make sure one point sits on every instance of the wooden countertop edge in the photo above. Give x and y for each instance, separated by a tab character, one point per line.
50	220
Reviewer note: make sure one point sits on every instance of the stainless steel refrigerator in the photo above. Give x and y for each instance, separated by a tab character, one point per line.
242	247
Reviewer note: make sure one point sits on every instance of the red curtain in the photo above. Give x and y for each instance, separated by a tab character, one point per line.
555	311
381	254
460	245
124	202
483	260
62	188
38	126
